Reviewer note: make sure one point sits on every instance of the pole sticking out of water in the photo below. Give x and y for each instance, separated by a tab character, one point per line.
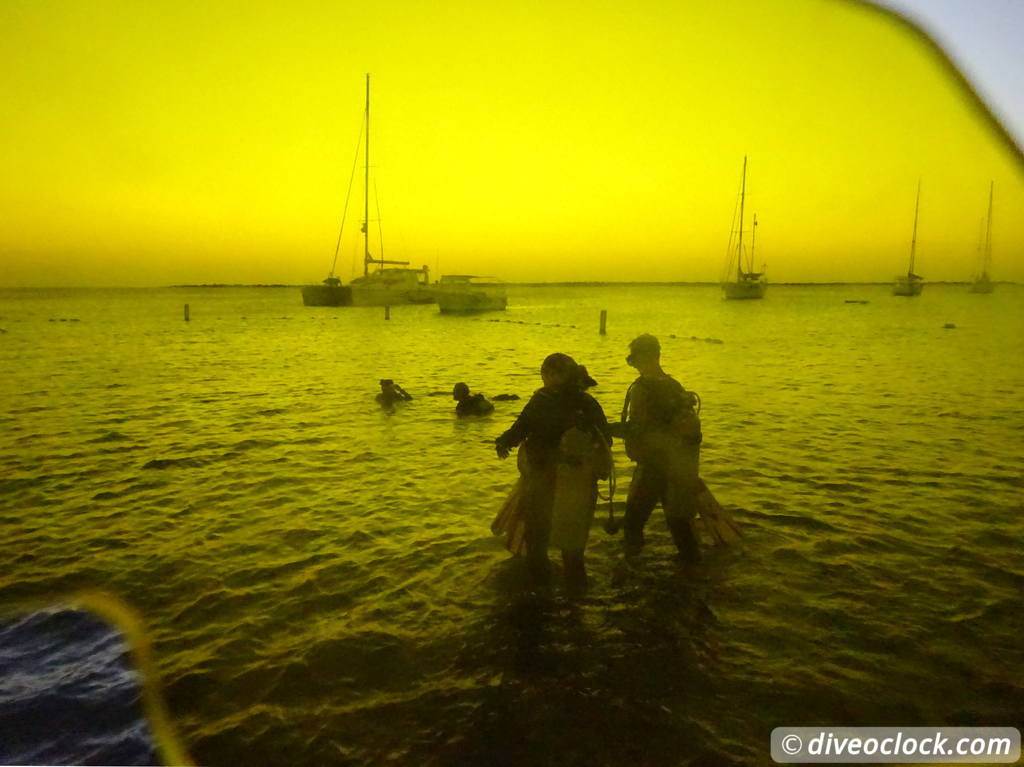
604	320
387	312
186	312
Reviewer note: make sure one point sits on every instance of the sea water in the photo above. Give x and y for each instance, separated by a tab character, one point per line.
318	577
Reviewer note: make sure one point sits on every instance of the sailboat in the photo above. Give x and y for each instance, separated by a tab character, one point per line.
982	283
911	284
747	284
392	282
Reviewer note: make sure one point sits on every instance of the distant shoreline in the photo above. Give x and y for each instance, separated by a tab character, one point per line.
612	284
582	284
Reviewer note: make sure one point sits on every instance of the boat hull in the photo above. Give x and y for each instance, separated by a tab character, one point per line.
391	287
744	290
390	297
374	294
907	287
470	294
470	303
326	295
981	285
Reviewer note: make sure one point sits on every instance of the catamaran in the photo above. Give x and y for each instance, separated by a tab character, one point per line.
390	284
911	284
746	284
982	283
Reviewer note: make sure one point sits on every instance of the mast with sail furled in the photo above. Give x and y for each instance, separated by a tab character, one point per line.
983	282
911	284
747	284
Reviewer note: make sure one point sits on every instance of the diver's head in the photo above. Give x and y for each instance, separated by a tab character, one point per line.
557	369
644	349
460	392
582	378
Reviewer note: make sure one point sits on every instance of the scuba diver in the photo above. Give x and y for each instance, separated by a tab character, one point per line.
470	404
663	436
390	393
565	437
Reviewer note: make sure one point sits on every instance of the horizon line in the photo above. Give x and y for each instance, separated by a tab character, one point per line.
529	284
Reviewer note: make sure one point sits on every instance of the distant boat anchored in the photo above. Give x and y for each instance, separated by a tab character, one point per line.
384	286
746	284
911	284
468	294
982	282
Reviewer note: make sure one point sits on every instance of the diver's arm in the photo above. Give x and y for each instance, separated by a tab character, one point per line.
514	435
599	419
638	416
518	431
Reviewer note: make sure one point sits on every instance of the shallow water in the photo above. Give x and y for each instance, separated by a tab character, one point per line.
321	585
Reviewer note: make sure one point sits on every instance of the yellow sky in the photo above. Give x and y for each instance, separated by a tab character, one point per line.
168	142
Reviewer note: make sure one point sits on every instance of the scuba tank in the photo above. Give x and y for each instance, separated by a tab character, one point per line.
672	417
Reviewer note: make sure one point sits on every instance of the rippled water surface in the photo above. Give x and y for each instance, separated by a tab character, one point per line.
318	576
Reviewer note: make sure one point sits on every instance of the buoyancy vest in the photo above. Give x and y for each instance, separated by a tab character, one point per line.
582	444
671	412
549	416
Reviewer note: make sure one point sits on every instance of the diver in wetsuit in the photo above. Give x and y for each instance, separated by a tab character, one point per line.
390	393
469	404
663	436
553	410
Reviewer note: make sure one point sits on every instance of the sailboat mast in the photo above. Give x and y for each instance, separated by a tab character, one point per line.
988	232
739	244
981	243
753	240
913	239
366	186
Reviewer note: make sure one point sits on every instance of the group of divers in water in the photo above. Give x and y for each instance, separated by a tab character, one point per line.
564	442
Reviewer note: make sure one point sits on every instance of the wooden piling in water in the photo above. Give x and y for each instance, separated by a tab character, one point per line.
387	312
604	320
186	312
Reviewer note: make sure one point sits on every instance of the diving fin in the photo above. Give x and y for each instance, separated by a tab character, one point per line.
718	523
